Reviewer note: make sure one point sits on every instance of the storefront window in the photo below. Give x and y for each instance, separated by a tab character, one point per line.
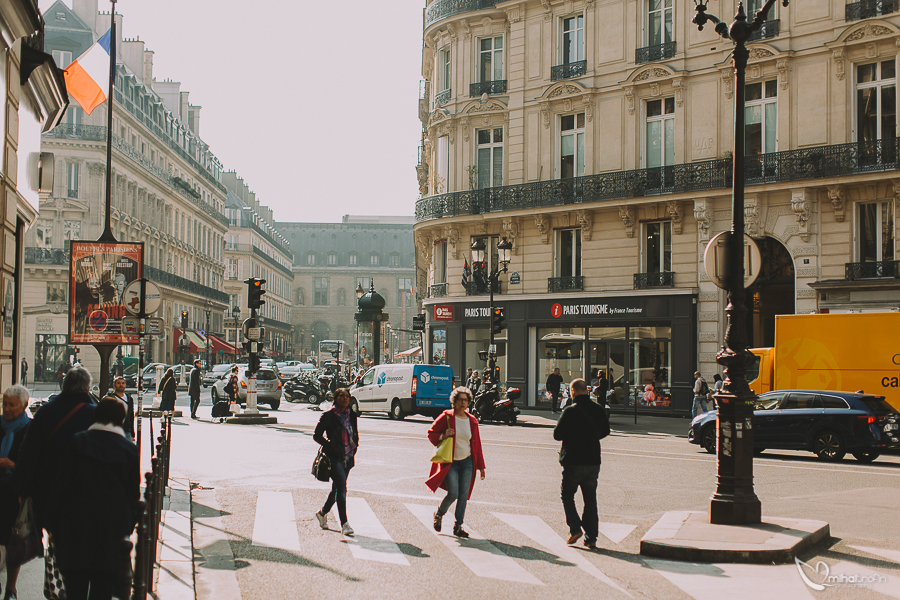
608	347
558	347
49	354
479	339
439	346
651	364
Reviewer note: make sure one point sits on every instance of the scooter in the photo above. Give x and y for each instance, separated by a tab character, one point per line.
490	407
306	391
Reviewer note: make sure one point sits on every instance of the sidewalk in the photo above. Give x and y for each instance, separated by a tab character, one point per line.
621	422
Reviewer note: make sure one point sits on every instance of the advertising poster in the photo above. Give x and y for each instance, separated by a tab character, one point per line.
100	271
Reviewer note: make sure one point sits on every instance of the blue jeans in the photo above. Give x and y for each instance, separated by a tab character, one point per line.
698	403
585	477
339	472
458	481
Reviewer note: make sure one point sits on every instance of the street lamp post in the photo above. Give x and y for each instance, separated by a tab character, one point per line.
503	249
236	315
734	501
208	312
370	313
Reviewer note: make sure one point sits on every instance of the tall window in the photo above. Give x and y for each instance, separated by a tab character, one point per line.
760	117
658	247
56	291
44	233
490	59
373	259
332	259
440	262
659	22
321	291
876	231
660	128
73	115
72	179
311	259
72	230
571	146
232	268
365	282
395	259
354	259
444	69
572	40
876	101
490	157
568	253
62	58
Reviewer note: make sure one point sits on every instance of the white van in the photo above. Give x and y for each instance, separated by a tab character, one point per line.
403	389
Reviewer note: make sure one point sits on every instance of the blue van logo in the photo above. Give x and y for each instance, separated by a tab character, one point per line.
382	377
425	377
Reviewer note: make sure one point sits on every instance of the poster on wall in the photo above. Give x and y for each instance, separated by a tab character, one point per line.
9	309
100	271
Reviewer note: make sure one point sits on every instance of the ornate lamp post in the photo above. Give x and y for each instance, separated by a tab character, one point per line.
503	250
371	314
359	294
208	313
734	501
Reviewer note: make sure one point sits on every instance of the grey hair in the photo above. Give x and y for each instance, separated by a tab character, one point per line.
77	380
460	390
17	391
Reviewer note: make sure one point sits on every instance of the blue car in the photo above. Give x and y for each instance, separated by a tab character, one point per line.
830	424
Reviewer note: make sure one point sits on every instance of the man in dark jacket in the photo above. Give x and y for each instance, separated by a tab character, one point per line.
47	442
119	392
553	383
580	429
194	388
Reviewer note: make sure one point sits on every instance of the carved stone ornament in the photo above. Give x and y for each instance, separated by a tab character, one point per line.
654	90
452	236
564	90
868	31
588	107
542	222
545	113
678	84
626	213
703	216
583	218
512	228
751	220
422	176
481	228
896	184
96	169
836	195
783	68
515	13
801	205
838	57
425	244
753	71
728	82
567	105
871	50
629	98
653	73
760	53
465	28
673	208
483	105
464	124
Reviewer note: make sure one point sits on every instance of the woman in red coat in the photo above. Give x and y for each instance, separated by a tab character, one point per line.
458	477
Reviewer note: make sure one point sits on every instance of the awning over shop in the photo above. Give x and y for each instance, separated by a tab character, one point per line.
216	344
417	351
195	342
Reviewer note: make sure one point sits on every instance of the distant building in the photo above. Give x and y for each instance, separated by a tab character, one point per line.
332	259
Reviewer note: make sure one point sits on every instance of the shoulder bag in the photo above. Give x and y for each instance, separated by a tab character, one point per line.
26	541
321	468
444	452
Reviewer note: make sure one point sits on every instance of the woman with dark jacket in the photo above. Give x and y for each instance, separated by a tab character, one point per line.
12	431
339	442
168	389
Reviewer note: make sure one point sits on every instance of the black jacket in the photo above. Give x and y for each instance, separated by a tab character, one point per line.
194	386
580	429
332	441
553	383
128	426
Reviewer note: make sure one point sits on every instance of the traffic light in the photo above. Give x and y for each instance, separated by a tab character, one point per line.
253	363
255	292
499	318
184	320
418	322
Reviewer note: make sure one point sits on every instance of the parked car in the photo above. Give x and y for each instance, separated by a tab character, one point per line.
216	373
268	387
287	372
830	424
149	375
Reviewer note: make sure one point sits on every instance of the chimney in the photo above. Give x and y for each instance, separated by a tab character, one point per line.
87	11
148	68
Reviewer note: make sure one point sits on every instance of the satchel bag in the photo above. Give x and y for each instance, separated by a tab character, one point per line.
54	588
321	468
26	541
444	452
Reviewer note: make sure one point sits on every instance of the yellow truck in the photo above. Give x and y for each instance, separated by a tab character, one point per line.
840	352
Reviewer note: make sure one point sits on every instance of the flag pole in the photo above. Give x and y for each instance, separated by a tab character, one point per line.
107	231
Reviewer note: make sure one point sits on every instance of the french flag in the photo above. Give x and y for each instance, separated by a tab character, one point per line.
85	76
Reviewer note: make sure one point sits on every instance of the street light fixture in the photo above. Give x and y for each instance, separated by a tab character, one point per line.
503	250
734	501
359	291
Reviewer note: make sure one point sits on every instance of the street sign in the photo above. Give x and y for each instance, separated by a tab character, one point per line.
155	326
132	297
716	264
254	333
130	326
515	278
247	324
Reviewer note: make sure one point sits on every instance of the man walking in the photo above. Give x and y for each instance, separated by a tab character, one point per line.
701	389
119	392
580	428
24	381
553	383
194	388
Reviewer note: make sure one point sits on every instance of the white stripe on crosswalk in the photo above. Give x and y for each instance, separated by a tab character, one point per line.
892	555
849	575
482	557
536	529
275	525
370	540
734	581
616	531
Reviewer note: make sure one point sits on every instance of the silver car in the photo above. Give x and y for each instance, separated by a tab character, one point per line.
268	388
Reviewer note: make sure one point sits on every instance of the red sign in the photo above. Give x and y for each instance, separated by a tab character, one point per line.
443	313
556	310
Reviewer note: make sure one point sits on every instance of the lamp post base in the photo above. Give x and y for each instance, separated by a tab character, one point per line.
735	510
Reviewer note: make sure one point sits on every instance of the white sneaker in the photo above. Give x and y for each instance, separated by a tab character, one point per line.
346	529
322	519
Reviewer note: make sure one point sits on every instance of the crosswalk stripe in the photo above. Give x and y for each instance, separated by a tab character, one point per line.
878	581
370	540
616	531
733	581
275	525
536	529
892	555
478	554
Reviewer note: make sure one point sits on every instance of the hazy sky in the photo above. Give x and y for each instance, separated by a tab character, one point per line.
313	103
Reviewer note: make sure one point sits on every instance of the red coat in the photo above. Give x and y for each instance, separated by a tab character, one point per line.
439	470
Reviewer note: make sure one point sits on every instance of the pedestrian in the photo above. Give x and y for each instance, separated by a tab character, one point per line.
97	491
231	388
61	374
168	389
601	386
119	393
580	428
469	379
24	371
194	388
338	435
13	427
476	382
718	386
701	389
554	380
457	477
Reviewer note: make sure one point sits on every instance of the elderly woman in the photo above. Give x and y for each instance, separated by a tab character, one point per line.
13	426
168	389
458	477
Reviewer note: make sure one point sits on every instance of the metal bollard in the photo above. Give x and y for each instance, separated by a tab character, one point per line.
139	584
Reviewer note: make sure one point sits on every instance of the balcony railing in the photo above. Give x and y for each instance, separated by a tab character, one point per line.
187	285
565	284
480	288
441	9
438	290
568	70
46	256
643	281
654	53
442	98
769	29
487	87
885	269
818	162
93	133
868	9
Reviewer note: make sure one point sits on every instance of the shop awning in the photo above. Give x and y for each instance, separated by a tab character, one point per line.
417	351
216	344
195	342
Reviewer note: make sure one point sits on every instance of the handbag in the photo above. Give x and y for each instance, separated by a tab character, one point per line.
25	542
321	468
54	588
444	451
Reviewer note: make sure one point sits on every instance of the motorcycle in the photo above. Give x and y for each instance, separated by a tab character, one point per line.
488	406
304	389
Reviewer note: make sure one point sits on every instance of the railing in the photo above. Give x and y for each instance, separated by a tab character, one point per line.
438	290
498	86
188	285
818	162
442	98
272	323
94	133
566	284
769	29
568	70
654	53
868	9
441	9
884	269
479	288
46	256
643	281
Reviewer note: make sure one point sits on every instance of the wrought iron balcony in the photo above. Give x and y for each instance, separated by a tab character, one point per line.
884	269
46	256
568	70
441	9
476	287
438	290
94	133
654	53
769	29
868	9
820	162
187	285
442	98
565	284
487	87
643	281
